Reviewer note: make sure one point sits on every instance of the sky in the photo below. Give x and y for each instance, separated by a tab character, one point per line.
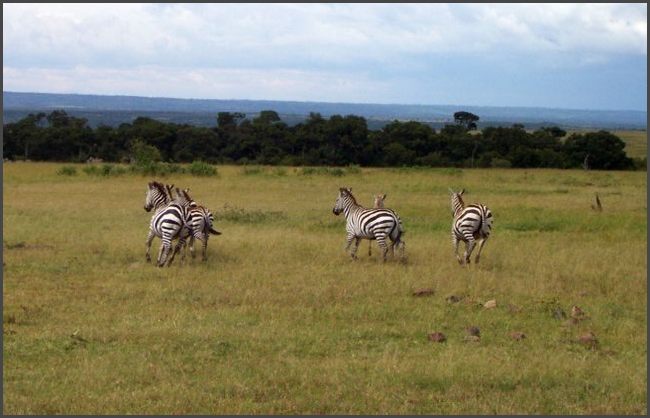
575	56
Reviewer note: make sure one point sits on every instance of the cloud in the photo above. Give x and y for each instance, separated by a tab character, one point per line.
399	52
277	35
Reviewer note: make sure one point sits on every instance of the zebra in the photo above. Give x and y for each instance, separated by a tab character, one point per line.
362	223
199	224
471	223
378	203
170	216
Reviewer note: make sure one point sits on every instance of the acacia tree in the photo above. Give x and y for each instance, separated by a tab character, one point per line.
466	119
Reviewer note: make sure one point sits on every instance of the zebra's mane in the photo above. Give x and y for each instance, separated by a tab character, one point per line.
347	192
161	188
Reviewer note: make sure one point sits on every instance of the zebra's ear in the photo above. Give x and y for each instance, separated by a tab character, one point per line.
383	197
349	189
462	191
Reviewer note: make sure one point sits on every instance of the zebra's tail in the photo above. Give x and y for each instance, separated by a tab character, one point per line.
214	231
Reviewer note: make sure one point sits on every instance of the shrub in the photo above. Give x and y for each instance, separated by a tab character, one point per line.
500	163
203	169
67	170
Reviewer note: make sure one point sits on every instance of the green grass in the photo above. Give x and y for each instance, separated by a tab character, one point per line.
280	321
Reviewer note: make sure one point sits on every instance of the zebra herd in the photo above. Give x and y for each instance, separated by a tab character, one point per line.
180	217
470	224
176	217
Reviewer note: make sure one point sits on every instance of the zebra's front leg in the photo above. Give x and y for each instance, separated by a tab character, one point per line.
353	253
348	239
149	240
480	247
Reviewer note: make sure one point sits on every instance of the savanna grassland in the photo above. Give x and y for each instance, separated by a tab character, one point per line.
280	321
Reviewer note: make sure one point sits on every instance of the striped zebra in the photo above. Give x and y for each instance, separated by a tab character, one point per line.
362	223
199	224
166	223
378	203
471	223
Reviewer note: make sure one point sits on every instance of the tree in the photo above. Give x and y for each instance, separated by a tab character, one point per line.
602	150
228	119
466	119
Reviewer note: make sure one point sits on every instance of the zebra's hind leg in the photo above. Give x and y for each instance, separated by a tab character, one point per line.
162	253
177	249
149	239
191	245
205	248
480	247
469	247
455	242
381	242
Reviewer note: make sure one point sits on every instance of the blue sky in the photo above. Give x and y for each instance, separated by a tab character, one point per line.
582	56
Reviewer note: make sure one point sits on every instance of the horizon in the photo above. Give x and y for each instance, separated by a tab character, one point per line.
553	56
333	103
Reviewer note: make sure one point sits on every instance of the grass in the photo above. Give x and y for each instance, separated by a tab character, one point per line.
636	143
280	321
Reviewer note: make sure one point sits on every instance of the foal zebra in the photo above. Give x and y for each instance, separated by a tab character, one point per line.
198	226
378	203
166	223
362	223
471	223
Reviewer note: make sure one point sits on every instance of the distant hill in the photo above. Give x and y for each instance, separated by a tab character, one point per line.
114	110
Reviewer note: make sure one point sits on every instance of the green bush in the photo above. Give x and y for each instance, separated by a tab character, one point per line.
200	168
67	170
105	170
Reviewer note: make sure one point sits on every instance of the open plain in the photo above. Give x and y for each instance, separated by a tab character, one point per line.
279	320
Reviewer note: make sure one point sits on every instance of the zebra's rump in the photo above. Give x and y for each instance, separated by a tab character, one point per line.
475	220
169	219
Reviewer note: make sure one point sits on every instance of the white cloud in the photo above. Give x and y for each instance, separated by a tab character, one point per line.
276	34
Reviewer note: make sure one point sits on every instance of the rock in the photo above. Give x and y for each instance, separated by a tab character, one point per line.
490	304
423	292
472	339
437	337
473	331
517	335
454	299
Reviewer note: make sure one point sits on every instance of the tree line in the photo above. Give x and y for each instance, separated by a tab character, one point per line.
318	141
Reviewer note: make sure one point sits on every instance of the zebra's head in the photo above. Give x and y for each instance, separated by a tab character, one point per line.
456	201
345	194
379	200
184	196
156	193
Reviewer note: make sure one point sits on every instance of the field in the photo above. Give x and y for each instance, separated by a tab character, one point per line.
636	143
279	320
